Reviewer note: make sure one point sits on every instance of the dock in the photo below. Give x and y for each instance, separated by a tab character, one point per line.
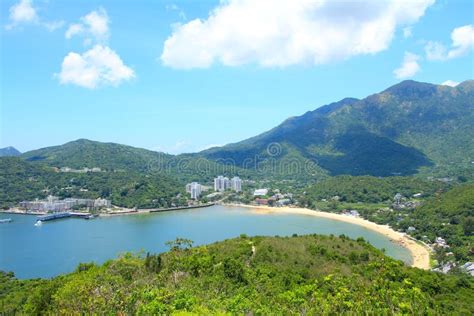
53	216
60	215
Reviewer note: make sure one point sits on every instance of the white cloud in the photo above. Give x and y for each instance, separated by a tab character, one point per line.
409	67
435	51
174	7
93	26
282	33
99	66
462	43
407	32
54	25
450	83
24	13
74	29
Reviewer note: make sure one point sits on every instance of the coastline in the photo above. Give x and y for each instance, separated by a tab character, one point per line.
419	253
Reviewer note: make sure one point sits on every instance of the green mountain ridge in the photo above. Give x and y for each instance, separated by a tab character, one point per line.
409	128
9	152
396	132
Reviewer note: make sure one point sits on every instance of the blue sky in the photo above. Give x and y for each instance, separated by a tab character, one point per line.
179	76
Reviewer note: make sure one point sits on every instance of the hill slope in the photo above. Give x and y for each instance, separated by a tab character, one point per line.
310	275
112	157
23	180
86	153
9	152
398	131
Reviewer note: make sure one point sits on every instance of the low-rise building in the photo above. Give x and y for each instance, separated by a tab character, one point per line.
260	192
53	204
441	242
283	202
261	201
468	267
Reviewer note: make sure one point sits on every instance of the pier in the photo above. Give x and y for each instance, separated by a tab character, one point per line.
59	215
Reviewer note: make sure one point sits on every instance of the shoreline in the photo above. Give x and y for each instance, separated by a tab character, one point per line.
419	253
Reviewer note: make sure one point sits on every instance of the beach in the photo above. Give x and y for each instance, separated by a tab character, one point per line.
419	253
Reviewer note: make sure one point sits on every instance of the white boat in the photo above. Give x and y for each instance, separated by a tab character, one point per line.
5	220
38	223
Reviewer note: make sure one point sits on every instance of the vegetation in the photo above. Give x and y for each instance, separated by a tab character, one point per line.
409	127
450	216
442	210
112	157
260	275
9	151
366	189
21	180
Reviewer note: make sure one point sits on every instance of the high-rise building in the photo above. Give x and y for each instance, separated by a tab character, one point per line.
236	184
194	189
221	183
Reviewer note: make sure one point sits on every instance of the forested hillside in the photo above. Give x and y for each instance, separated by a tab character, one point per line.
22	180
368	189
409	127
84	153
259	275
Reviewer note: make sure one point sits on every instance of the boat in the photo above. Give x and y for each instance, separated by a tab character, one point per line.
38	223
5	220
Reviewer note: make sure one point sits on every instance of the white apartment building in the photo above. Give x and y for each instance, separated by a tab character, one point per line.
236	184
221	184
194	189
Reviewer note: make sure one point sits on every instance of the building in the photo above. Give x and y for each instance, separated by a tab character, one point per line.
260	192
54	204
236	184
102	203
194	189
221	183
468	267
283	202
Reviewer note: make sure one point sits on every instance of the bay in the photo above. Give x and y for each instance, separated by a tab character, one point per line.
57	247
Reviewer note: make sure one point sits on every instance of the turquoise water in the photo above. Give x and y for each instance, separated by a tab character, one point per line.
59	246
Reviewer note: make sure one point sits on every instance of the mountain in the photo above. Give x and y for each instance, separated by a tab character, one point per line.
84	153
9	152
299	275
406	128
24	180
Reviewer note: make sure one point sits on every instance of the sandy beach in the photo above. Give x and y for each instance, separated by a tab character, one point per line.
420	253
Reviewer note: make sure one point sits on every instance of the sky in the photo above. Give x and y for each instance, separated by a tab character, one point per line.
182	76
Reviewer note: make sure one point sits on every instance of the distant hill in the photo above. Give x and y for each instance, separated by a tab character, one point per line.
23	180
9	152
405	128
84	153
